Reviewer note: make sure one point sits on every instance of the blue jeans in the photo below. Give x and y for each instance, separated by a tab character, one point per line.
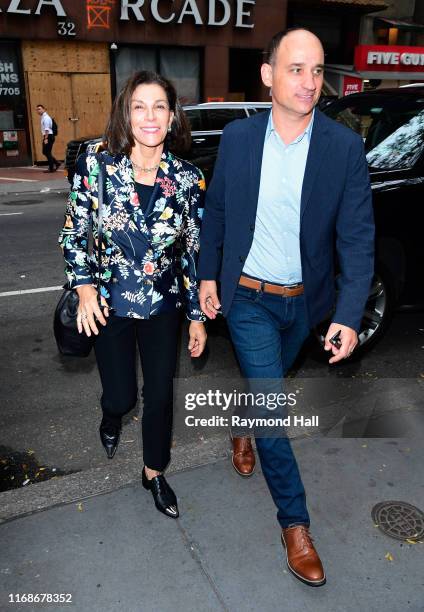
267	332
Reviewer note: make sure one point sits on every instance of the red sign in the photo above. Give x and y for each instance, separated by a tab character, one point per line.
351	85
389	58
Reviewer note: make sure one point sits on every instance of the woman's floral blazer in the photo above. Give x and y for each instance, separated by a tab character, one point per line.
139	268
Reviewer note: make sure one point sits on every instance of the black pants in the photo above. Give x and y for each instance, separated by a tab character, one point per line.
115	350
47	151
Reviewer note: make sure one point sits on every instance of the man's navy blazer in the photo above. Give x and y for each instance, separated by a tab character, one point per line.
336	215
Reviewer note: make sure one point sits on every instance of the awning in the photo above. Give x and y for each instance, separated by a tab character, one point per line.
370	5
367	6
401	24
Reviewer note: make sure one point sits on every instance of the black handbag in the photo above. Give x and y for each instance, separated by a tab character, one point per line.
69	341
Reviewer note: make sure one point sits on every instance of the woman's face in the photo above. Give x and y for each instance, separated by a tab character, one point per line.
150	114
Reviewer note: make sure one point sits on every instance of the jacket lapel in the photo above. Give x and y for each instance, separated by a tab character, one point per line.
164	185
320	141
256	148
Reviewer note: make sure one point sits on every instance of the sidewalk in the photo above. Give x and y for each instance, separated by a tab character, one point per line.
28	179
115	552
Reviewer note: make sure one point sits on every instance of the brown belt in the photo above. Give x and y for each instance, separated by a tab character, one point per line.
258	285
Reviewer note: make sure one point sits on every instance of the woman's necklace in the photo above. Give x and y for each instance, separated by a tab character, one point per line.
141	169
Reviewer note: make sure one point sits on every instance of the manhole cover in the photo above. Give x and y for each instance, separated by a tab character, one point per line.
399	520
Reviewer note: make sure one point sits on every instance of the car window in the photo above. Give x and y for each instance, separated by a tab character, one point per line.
219	117
194	117
392	127
260	109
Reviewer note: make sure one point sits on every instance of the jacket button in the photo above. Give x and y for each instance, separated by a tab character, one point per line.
241	259
252	227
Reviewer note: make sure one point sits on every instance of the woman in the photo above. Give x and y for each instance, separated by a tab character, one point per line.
151	199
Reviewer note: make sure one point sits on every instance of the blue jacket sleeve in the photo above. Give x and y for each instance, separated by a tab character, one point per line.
355	240
213	224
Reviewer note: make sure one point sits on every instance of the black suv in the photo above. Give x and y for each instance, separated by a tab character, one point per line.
391	123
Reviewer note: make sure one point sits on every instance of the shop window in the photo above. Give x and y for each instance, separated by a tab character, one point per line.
181	66
131	59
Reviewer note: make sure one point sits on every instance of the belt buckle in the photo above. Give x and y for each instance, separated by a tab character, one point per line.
262	287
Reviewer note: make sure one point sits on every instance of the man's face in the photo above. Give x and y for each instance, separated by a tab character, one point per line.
297	73
40	110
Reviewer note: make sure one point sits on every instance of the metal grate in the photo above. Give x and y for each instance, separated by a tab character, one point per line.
399	520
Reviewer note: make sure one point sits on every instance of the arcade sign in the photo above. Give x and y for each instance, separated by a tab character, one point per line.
219	12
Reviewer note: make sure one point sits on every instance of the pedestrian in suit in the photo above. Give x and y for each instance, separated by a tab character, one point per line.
288	185
153	200
48	138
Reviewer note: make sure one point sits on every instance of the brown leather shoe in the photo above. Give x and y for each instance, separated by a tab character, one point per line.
302	558
243	459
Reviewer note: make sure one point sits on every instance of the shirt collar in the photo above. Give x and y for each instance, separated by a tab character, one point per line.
307	131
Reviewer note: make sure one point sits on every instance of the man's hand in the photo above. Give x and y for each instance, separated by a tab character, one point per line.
348	338
208	298
198	336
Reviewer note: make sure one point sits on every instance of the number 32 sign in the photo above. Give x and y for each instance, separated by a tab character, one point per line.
66	28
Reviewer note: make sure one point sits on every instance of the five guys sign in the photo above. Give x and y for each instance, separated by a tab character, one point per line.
389	58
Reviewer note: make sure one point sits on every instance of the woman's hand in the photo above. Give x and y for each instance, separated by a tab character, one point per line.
89	308
198	336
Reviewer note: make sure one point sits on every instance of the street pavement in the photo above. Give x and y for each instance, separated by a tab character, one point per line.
92	530
31	179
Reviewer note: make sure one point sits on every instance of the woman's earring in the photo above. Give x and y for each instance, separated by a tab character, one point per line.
169	128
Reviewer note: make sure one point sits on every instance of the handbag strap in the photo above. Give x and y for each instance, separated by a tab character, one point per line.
100	194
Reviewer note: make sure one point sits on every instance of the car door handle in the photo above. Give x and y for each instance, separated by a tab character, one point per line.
199	140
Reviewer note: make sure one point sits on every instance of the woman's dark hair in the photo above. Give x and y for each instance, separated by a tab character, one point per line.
119	136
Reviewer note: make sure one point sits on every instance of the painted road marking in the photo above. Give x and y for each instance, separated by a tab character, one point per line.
24	291
8	178
9	214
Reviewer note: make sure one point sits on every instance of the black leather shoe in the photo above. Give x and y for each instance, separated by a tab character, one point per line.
164	496
109	435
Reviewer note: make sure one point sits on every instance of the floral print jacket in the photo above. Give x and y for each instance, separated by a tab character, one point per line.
139	270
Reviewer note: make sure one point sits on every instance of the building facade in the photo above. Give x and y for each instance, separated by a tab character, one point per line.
72	57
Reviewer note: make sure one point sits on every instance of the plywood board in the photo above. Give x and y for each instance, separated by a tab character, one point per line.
53	90
92	102
67	56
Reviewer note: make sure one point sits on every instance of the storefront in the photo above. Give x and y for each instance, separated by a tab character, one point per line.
378	66
13	115
76	55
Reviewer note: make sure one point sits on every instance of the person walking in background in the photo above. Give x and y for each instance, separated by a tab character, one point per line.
152	201
48	137
288	185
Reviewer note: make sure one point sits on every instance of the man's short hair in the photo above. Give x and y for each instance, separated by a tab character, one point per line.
41	106
271	50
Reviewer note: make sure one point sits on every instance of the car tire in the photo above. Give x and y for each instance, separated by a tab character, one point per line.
378	312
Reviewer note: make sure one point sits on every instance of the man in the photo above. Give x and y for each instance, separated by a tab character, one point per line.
48	138
288	185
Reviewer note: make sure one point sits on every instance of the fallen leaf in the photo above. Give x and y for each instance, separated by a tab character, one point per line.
364	445
411	541
135	418
388	556
79	506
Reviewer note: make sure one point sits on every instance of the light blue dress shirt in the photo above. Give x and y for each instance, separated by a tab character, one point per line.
275	252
